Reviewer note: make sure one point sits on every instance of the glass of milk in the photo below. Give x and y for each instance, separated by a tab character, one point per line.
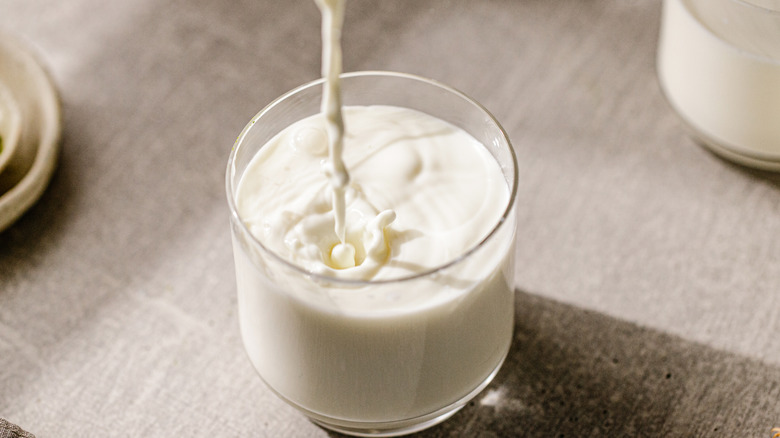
383	356
719	66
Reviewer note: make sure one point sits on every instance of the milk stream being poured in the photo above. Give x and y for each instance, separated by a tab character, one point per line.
332	20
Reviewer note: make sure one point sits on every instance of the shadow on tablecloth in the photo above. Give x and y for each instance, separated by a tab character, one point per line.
575	373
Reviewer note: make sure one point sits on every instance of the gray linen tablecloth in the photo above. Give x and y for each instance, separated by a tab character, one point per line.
648	279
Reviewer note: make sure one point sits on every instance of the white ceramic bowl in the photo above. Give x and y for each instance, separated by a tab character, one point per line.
27	172
10	125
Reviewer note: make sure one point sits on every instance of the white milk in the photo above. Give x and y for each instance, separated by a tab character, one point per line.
423	193
719	66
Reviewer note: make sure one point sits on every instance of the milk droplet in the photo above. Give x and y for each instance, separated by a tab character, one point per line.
312	141
343	256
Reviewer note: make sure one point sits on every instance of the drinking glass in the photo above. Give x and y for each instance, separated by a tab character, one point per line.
393	368
719	67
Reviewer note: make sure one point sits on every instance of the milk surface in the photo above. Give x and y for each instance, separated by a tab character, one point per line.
423	192
720	69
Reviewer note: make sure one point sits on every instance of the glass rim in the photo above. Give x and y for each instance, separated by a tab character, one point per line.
763	11
231	170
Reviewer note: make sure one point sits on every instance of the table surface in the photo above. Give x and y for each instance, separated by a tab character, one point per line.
647	268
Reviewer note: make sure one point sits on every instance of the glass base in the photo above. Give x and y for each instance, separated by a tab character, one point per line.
399	427
761	163
396	428
755	160
745	157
